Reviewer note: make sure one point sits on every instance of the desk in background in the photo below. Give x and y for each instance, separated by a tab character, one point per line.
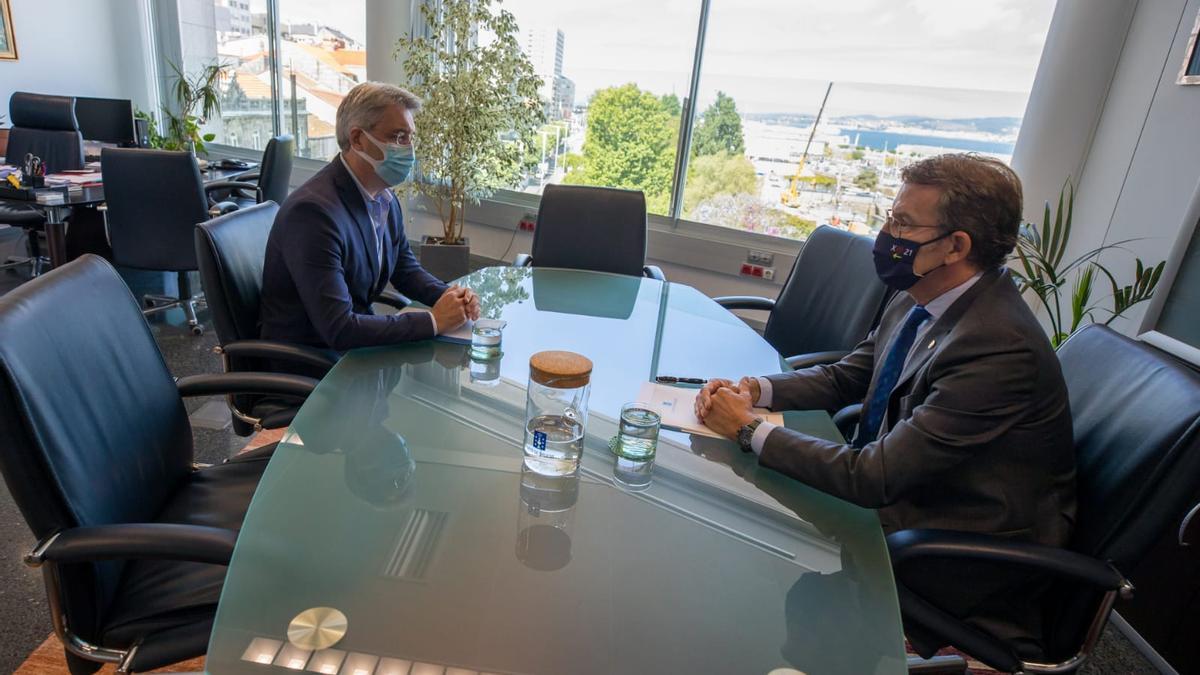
398	497
88	196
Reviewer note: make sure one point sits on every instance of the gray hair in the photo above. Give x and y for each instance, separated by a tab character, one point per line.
365	104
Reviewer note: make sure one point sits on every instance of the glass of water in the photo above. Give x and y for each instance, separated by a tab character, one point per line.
637	438
486	335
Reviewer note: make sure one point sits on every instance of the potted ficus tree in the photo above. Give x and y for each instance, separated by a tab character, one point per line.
480	114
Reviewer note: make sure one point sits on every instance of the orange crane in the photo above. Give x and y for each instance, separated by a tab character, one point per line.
790	196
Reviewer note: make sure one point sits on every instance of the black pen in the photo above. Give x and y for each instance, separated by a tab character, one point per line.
668	379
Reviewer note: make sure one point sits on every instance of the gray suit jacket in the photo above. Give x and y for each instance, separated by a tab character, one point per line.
977	434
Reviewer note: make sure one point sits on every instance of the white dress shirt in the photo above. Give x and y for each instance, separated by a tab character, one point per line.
378	208
936	308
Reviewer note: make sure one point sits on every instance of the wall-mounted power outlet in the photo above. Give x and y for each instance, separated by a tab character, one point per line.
527	223
769	273
764	258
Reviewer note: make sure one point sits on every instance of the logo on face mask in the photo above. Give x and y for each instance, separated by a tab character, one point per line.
894	259
396	164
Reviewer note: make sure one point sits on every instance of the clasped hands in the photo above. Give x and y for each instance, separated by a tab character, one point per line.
725	407
457	305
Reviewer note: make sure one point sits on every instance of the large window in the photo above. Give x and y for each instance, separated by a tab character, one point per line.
891	82
319	54
613	77
322	55
801	113
234	34
899	80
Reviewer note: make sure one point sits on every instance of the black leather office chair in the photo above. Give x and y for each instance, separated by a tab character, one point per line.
231	250
591	228
96	449
829	303
1136	413
154	200
272	177
44	126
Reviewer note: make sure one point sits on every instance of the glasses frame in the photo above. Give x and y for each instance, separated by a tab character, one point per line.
896	228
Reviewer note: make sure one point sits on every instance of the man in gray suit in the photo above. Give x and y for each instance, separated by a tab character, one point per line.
965	422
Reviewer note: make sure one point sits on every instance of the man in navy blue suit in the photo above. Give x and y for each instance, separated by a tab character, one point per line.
339	239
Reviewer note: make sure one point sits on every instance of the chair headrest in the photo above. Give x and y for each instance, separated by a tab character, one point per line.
1136	415
42	111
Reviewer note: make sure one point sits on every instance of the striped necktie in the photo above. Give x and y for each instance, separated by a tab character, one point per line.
893	364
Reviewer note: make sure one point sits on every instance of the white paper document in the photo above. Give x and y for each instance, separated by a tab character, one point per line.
677	406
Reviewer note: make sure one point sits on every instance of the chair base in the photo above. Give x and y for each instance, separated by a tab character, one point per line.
36	265
937	665
161	303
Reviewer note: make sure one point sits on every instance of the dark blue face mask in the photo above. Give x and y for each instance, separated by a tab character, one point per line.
894	259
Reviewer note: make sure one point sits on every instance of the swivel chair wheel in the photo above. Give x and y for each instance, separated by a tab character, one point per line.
197	330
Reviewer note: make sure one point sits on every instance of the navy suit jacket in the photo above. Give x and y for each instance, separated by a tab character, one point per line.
321	272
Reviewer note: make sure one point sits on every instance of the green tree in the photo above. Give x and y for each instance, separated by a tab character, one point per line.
719	129
722	173
671	104
630	144
867	179
481	105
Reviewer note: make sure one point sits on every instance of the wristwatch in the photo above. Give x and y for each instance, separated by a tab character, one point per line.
746	433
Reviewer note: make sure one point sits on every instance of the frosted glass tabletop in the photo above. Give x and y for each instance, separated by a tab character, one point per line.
396	529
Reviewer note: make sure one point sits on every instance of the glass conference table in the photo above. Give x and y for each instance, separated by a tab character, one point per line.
396	527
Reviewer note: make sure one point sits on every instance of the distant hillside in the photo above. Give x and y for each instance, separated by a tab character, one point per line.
990	125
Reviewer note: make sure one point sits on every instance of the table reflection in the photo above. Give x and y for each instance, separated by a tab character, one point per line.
545	518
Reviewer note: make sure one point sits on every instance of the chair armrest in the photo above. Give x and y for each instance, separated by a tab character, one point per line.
283	351
801	361
1189	529
221	208
907	546
278	420
846	420
278	384
251	175
653	272
745	302
136	541
234	185
523	260
393	299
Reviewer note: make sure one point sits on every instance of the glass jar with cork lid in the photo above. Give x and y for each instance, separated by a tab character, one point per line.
556	409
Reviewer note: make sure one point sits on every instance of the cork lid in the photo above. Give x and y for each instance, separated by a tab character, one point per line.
560	370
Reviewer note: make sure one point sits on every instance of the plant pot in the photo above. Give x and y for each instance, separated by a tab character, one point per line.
446	261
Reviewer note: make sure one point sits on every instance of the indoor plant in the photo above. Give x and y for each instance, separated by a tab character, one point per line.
1040	253
480	114
196	99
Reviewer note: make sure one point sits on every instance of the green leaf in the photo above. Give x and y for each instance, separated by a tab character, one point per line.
208	138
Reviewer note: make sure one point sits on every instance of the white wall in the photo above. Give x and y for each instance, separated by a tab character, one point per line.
81	48
1144	163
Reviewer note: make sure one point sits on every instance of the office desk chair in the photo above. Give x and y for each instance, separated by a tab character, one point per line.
270	181
591	228
231	250
46	127
154	200
830	301
133	537
1136	413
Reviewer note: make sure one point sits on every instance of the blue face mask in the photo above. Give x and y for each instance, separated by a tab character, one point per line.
397	162
894	258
